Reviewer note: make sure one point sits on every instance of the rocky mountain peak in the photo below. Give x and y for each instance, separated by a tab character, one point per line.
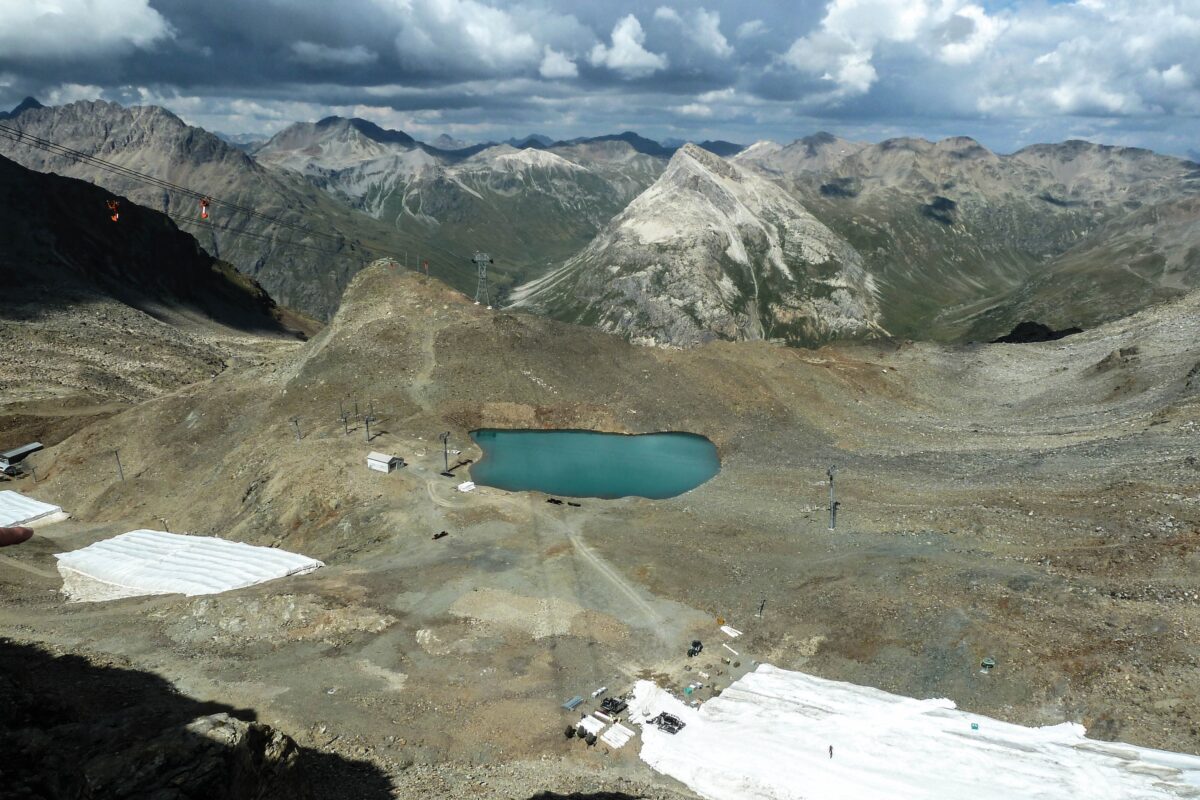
691	157
365	128
28	104
963	147
711	251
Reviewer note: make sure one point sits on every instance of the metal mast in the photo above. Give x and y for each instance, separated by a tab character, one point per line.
481	288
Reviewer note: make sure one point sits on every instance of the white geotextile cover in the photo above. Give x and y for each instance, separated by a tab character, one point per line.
616	736
155	562
17	509
591	724
768	735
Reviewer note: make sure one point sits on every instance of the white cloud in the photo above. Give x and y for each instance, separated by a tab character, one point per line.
319	54
557	65
1176	77
718	95
627	55
456	33
750	29
1110	58
842	49
57	29
693	110
72	92
667	13
702	27
968	34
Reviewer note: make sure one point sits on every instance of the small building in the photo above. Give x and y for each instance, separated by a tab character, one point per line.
382	462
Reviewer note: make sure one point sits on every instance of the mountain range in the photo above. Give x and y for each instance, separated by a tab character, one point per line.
677	244
960	239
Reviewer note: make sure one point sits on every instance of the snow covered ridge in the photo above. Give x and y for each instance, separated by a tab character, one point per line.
769	736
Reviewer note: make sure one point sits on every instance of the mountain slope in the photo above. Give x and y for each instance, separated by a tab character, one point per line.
530	208
1150	255
952	231
307	271
711	251
95	313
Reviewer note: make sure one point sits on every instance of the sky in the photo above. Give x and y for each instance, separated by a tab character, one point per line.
1008	73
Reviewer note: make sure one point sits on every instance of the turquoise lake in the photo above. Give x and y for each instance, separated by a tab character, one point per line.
591	464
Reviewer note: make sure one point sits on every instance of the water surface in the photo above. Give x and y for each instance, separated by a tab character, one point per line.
591	464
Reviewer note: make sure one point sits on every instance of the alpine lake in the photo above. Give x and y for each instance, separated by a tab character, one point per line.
576	463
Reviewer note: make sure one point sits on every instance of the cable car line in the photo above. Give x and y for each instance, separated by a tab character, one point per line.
21	137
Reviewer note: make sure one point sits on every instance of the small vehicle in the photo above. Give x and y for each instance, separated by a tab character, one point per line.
613	705
668	722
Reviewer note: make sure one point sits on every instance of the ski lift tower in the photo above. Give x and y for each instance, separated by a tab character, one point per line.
481	289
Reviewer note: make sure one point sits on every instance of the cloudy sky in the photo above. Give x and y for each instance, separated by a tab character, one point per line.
1008	72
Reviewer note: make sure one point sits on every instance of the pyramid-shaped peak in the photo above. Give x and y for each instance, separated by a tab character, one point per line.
710	161
28	104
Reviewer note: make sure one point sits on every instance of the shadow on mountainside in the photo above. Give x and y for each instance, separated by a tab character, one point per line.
70	728
62	247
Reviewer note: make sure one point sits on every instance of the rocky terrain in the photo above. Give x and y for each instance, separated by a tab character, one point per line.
712	251
1032	503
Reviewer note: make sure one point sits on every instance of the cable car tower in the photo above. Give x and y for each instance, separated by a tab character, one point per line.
481	288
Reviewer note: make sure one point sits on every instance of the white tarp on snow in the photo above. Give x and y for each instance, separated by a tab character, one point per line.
153	562
768	736
17	509
617	736
591	724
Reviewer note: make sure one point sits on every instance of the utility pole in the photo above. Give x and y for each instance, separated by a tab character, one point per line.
481	289
296	424
761	606
369	418
166	527
345	422
445	437
120	469
833	504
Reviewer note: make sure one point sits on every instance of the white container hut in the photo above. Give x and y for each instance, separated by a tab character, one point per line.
382	462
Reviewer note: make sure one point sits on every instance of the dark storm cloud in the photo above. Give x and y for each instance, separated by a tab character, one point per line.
1013	71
